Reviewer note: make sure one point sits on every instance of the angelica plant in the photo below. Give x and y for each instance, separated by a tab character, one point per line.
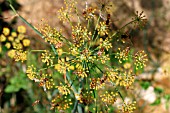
84	61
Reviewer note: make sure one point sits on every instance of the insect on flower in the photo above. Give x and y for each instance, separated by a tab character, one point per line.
35	103
103	79
108	19
42	82
127	50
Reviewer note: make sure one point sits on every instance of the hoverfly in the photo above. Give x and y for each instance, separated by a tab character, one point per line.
35	103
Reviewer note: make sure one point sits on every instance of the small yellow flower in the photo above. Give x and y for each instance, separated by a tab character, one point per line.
20	55
63	89
102	28
17	40
11	53
6	31
26	42
21	36
8	45
47	58
10	38
57	66
128	107
109	98
60	51
14	34
127	65
17	45
71	67
21	29
2	38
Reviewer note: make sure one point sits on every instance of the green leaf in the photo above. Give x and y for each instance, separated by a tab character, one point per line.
158	90
11	88
17	82
157	102
145	85
167	96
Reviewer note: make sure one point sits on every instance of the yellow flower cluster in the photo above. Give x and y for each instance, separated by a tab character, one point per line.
85	97
112	74
122	55
80	35
102	28
140	59
96	83
47	58
104	58
31	72
126	79
20	55
45	80
105	44
60	102
127	107
51	35
63	89
65	12
88	13
63	65
17	41
13	38
109	98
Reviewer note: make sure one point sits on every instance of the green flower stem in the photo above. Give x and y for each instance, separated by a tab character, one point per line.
46	68
37	50
77	13
75	106
69	20
98	68
88	25
123	27
75	92
26	22
119	94
70	82
13	9
96	27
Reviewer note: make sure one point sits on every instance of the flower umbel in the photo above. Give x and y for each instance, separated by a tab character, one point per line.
140	59
47	58
127	107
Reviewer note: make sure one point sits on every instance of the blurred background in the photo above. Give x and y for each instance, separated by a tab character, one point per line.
153	88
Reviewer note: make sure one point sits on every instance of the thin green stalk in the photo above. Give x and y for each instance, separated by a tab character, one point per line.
13	9
120	94
96	27
46	68
37	50
77	13
75	106
88	25
98	68
31	26
70	82
123	27
75	92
